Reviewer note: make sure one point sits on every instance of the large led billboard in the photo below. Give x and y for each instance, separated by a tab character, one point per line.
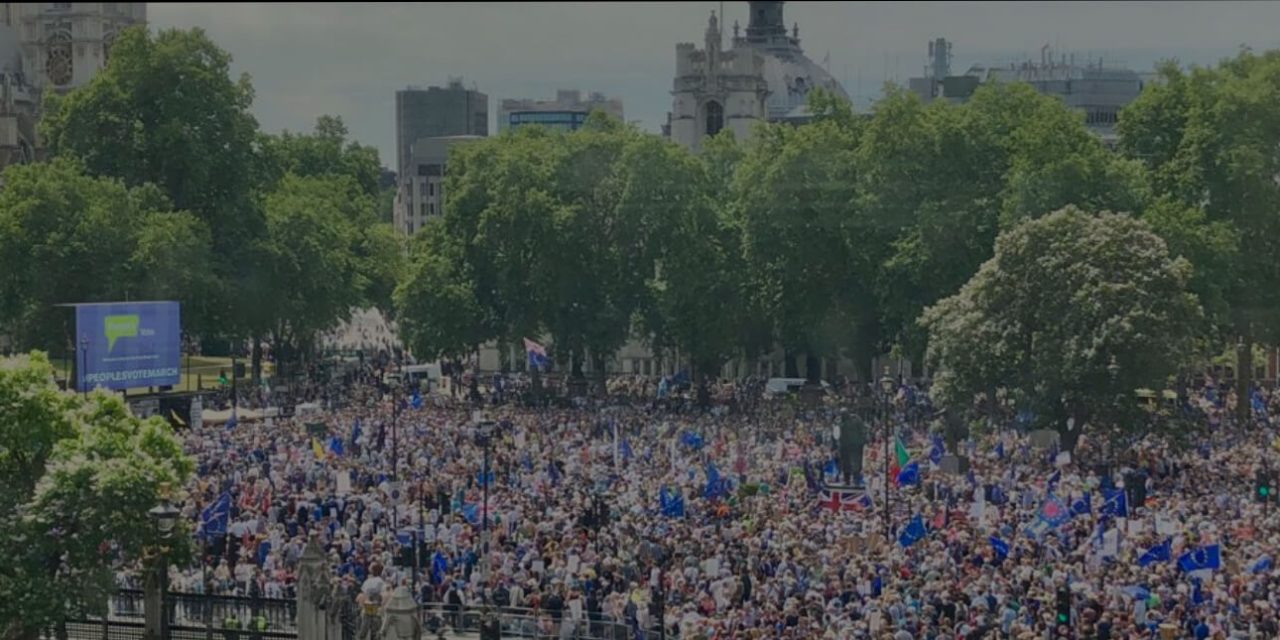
124	345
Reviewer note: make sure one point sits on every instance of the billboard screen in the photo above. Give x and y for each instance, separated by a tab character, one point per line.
125	345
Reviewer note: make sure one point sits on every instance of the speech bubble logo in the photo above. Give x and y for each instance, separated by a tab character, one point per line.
116	327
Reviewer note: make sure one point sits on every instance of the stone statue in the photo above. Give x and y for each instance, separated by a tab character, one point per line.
853	438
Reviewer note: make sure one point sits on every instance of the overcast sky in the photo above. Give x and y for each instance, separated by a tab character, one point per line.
347	59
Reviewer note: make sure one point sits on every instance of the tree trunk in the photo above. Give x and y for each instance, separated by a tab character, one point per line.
1244	379
704	391
601	376
257	359
575	359
789	364
812	368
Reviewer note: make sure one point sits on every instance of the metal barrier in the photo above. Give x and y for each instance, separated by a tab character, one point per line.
200	611
522	622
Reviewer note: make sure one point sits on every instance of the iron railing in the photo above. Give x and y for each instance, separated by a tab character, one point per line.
522	622
201	610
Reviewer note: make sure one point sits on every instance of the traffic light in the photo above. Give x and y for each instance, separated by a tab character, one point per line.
1064	606
1263	488
222	377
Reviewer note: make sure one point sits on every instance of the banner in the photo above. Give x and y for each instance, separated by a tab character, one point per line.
126	345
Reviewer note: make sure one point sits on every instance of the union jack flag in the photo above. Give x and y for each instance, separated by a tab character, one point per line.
839	499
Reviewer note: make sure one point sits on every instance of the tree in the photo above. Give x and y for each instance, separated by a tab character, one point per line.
324	152
499	217
942	180
1063	298
1206	137
439	312
80	474
166	111
306	261
804	238
693	300
591	316
69	238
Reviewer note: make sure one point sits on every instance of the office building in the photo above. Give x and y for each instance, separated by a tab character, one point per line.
437	112
420	195
1099	91
566	113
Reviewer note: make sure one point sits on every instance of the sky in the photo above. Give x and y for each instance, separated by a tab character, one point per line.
312	59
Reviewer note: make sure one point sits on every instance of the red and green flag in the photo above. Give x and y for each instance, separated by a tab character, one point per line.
902	457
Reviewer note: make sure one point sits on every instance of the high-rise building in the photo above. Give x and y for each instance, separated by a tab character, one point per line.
437	112
567	112
420	195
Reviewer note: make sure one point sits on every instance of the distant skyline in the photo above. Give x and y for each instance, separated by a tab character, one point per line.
307	60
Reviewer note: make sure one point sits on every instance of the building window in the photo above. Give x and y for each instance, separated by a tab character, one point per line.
714	117
58	63
431	208
424	209
431	188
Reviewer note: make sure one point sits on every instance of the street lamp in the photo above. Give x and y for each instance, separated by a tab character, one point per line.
484	438
886	388
165	517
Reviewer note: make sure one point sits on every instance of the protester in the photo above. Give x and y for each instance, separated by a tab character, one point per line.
650	513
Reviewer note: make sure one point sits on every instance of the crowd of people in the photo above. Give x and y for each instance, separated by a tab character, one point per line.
718	524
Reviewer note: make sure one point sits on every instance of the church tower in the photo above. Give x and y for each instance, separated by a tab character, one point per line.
66	43
716	89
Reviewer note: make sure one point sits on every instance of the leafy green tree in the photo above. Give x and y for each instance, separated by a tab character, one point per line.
79	476
595	232
1206	136
1064	297
324	152
67	237
693	298
499	216
795	199
305	259
941	180
166	111
439	312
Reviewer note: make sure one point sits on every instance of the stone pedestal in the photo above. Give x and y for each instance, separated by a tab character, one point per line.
400	620
313	593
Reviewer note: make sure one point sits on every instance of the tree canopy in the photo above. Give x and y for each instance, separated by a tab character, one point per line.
79	474
1073	312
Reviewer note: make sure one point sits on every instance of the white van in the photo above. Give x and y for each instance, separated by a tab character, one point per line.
418	373
774	387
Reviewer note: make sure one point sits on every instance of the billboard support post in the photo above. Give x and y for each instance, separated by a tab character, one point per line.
83	352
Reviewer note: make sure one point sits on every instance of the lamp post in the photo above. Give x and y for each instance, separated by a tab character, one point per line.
484	438
395	434
164	516
1113	372
886	387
